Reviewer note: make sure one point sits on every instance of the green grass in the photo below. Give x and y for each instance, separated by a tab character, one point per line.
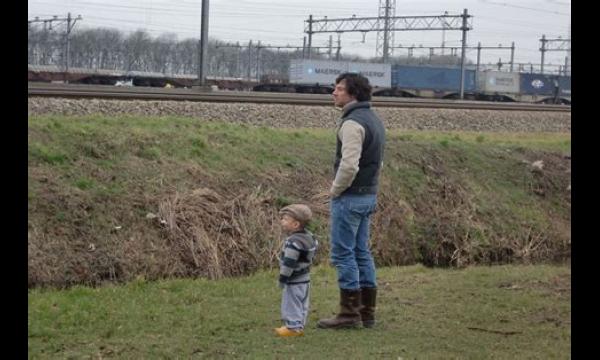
558	142
46	154
219	146
500	312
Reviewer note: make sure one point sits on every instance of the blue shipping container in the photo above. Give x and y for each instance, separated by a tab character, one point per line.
431	78
565	85
538	84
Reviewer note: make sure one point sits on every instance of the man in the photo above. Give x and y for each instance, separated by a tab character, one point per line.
358	161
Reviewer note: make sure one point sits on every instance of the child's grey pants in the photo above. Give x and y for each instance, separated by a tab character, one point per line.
294	305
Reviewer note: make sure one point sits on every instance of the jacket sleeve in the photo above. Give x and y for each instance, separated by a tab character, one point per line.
352	136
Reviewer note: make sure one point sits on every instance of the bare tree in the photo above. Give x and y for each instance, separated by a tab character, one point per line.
44	46
224	58
187	54
110	48
84	49
161	50
137	47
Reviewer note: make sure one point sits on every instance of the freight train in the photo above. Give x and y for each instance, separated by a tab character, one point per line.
52	73
318	77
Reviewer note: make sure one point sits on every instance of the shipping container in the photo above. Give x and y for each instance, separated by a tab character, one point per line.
538	84
325	72
492	82
431	78
545	88
565	86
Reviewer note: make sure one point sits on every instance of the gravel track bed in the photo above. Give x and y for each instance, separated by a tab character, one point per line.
309	116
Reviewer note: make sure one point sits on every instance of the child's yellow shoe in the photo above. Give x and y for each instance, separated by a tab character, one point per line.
285	332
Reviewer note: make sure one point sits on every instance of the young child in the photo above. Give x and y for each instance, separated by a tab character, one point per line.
296	257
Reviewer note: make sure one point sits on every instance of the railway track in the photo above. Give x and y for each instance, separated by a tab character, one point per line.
147	93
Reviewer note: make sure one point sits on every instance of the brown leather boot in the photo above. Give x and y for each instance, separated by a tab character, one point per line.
367	309
349	315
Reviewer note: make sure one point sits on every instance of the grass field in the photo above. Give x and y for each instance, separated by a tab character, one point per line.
497	312
98	187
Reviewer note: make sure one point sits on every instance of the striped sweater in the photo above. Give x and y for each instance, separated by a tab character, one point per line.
296	257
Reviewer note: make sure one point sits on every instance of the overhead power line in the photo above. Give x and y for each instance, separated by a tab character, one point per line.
524	7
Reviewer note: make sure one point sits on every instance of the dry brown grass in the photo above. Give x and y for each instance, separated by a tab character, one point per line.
215	236
452	230
215	232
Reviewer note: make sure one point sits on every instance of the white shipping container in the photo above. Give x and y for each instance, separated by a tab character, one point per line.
498	82
324	72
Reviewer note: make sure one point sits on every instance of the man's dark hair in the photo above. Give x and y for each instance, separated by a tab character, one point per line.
356	85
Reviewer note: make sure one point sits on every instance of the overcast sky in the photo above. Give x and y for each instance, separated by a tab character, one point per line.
282	22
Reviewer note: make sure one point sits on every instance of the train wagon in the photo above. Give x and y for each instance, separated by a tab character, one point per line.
545	88
498	86
57	74
523	87
318	76
429	82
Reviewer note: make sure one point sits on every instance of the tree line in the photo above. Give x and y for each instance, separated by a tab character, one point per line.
112	49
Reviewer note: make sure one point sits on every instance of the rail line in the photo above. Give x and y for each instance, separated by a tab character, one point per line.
147	93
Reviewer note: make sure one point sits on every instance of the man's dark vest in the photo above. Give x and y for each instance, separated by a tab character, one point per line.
371	156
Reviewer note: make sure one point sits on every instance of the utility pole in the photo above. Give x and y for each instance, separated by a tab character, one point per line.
568	58
444	35
462	60
249	58
310	32
387	8
238	70
258	61
203	45
304	49
386	33
68	43
543	50
68	46
339	47
512	56
478	57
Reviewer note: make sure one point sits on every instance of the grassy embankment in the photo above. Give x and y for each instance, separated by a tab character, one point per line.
497	312
450	198
112	199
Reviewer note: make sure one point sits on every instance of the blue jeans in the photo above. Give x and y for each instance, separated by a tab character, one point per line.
350	253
